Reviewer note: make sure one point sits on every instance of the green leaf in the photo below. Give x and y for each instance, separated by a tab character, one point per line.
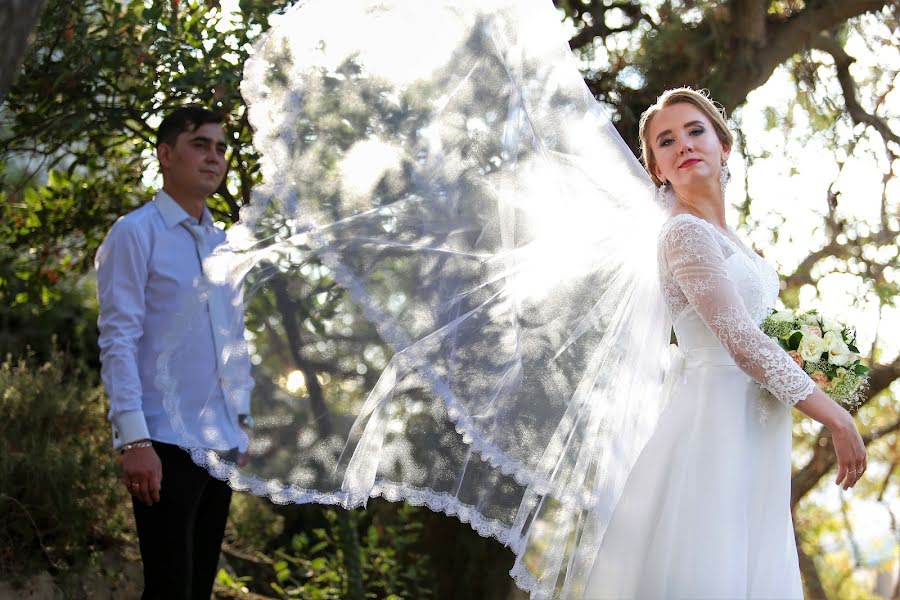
33	199
861	370
224	578
794	340
318	547
54	179
153	12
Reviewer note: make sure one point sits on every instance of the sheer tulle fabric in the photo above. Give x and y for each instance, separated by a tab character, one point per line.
465	189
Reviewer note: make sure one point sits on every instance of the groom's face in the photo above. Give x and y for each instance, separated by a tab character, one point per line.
196	162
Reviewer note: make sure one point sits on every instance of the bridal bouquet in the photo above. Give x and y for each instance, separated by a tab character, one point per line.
823	348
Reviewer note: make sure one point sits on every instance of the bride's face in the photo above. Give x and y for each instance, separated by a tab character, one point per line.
685	146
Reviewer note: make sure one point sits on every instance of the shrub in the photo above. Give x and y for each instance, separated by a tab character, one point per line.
352	554
315	565
59	491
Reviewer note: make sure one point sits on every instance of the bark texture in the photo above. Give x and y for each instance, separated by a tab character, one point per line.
17	21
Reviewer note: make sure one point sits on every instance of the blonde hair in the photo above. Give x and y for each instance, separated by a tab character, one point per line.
685	95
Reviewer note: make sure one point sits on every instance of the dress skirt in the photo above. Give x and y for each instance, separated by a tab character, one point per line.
705	512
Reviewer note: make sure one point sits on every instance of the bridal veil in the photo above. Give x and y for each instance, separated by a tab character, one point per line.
445	164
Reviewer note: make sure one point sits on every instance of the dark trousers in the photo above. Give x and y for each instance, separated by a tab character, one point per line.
181	535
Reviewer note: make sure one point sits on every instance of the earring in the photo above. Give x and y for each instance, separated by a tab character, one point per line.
662	194
724	176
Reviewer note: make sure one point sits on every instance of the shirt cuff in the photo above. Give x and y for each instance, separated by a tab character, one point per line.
129	427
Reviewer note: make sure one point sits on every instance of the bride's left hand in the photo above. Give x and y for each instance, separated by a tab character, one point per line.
848	444
850	451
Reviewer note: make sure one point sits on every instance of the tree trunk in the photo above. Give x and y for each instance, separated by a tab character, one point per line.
288	309
812	584
17	20
349	543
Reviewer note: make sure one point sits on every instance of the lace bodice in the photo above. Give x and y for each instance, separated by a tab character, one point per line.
706	275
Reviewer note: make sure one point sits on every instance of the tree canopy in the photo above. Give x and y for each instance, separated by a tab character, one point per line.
76	152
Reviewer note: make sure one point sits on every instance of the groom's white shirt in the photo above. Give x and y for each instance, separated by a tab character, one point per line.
149	273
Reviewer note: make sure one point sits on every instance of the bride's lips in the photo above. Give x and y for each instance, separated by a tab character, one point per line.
689	162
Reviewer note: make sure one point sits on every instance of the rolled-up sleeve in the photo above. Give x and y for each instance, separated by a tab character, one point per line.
122	271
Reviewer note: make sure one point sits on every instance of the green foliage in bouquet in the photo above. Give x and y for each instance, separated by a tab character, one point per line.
825	349
58	479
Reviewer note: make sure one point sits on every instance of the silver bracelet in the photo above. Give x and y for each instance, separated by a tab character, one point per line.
142	444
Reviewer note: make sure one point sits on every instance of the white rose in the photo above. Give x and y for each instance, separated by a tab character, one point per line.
811	347
844	358
830	325
838	352
833	341
811	329
783	316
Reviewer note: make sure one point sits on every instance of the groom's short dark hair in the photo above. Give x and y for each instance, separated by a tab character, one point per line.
184	119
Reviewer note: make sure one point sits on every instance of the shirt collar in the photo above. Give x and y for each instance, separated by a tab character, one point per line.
173	214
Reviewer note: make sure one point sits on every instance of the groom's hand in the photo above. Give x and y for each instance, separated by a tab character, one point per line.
142	472
246	423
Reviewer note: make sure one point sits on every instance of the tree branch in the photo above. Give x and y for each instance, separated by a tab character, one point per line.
590	18
880	433
823	458
598	27
882	376
786	38
854	545
802	275
288	311
842	62
751	14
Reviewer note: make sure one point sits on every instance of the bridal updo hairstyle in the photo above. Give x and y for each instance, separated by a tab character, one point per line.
686	95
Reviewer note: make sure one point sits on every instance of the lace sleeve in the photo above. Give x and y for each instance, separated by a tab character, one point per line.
697	263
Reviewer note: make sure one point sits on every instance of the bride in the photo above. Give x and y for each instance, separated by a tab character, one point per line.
706	510
477	205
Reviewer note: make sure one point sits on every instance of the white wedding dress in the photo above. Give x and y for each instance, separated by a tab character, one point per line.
705	513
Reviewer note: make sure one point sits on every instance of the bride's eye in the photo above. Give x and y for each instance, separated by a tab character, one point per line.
666	142
697	131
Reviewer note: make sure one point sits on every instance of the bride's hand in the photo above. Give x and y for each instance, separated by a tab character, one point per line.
850	451
848	444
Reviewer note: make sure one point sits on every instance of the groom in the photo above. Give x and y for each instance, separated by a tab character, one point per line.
149	265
